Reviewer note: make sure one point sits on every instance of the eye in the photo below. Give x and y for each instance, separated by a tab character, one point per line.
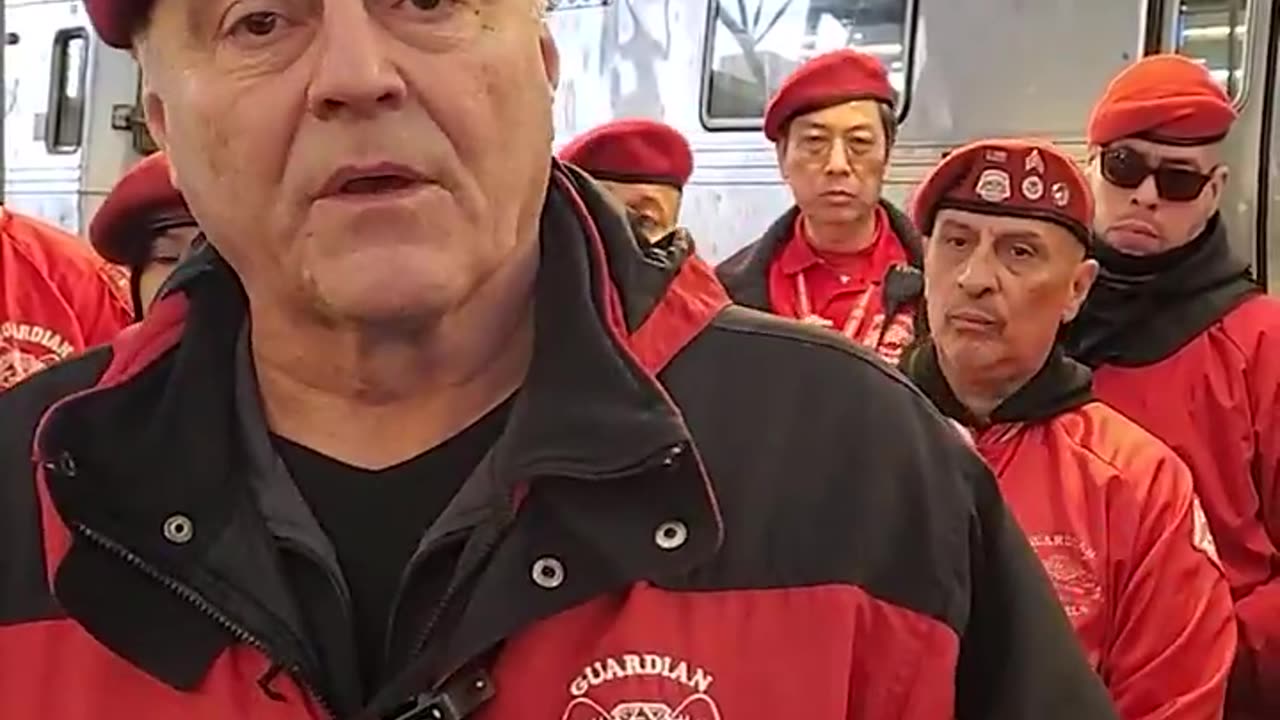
861	143
257	24
423	5
955	241
1022	252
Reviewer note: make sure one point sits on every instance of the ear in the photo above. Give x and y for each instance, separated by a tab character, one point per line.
550	57
1081	282
154	113
1218	183
780	152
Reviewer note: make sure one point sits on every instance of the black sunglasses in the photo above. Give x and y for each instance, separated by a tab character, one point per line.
1127	168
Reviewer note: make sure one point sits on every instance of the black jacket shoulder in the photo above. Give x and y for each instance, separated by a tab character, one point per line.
822	439
824	455
24	590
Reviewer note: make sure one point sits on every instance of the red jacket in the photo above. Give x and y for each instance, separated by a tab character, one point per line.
1194	357
1217	403
628	548
56	297
1111	512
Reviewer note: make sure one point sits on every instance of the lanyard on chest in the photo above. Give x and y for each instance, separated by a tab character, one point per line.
857	313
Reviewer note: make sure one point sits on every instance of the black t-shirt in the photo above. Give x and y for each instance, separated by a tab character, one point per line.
375	519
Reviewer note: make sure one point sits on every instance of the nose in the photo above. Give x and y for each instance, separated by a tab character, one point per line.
837	158
353	73
1147	194
977	275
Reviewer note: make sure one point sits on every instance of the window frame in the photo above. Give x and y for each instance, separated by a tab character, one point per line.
57	106
1166	17
718	124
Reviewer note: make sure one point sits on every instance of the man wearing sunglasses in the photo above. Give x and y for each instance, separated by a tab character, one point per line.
1181	338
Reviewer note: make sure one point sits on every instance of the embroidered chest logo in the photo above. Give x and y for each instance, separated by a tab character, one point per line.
1069	560
637	686
27	349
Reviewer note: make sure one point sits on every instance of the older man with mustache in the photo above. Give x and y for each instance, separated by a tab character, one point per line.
1108	507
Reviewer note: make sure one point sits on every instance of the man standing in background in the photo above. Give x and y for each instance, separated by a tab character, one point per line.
145	226
643	163
843	257
1110	510
1181	338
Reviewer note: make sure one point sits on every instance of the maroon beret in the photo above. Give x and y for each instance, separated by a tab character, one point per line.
1164	98
117	20
826	80
632	151
141	204
1020	178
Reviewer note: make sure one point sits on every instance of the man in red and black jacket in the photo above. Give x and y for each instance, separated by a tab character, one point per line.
430	435
843	258
1181	338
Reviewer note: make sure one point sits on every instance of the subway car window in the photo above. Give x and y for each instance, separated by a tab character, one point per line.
1216	33
754	44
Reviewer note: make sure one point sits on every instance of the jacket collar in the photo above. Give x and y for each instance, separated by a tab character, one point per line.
1142	310
1060	385
746	274
158	439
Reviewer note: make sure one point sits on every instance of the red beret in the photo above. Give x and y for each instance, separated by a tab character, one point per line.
826	80
1008	177
632	151
116	20
141	201
1164	98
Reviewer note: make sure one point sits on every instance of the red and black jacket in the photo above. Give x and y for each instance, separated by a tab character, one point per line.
667	526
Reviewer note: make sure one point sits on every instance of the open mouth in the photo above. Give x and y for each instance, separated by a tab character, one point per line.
372	180
376	184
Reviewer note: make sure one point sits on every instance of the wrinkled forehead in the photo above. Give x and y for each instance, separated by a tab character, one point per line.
651	195
202	16
1200	157
1002	227
842	118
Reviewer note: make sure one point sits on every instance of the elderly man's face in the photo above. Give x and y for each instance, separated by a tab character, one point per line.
834	161
356	160
997	289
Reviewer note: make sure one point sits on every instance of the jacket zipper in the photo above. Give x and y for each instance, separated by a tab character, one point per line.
195	599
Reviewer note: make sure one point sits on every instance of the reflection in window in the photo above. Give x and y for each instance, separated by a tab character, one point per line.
755	44
1214	32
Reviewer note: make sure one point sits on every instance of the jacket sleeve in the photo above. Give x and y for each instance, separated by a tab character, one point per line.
100	305
1256	680
1019	657
1170	652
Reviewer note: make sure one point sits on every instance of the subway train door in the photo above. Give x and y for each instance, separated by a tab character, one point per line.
1237	40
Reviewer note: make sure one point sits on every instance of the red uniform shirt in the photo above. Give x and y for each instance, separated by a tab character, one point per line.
846	290
1111	512
56	297
1216	401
